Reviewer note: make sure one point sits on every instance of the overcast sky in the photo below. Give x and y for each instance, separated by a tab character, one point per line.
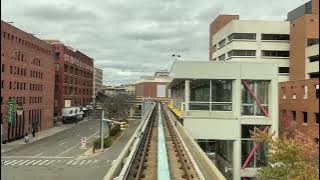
131	38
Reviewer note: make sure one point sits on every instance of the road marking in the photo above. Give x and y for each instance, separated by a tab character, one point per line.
49	162
36	162
30	162
76	144
43	162
17	162
75	162
61	143
9	162
88	161
38	155
70	162
23	162
42	157
83	161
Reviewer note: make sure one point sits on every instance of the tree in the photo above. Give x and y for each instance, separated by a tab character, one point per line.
289	158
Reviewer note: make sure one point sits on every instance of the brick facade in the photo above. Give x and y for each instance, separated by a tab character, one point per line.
73	79
27	75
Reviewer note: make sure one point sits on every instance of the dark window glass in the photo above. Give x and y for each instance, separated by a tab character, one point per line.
314	75
242	36
314	58
276	53
284	70
281	37
294	115
242	53
305	117
317	118
312	41
222	57
222	43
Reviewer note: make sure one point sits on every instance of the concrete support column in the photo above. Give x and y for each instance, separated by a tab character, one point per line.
187	94
236	161
274	106
236	97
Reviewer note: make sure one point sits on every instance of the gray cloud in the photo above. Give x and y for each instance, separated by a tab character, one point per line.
129	39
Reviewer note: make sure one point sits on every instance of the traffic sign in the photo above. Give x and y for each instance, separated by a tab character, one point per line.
11	114
83	142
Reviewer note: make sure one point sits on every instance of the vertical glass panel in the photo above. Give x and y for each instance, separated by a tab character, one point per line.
261	155
246	147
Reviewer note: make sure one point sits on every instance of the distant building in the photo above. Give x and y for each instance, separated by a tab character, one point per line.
97	82
27	76
154	87
73	79
234	40
218	108
299	97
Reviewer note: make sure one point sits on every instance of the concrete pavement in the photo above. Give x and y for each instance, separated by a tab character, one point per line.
57	162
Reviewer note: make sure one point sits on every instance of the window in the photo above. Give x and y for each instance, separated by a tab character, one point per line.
222	57
247	144
275	53
283	70
261	90
317	90
248	36
221	95
2	84
214	48
242	53
312	41
222	43
313	75
305	95
283	91
317	118
305	117
2	68
314	58
277	37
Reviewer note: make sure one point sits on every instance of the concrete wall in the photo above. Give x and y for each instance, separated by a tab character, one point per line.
311	66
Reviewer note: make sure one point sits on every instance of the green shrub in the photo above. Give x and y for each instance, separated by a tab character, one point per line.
115	130
97	144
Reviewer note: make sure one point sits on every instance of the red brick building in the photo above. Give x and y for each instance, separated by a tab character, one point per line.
154	87
299	97
73	77
27	76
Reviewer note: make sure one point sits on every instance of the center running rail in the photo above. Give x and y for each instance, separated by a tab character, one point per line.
161	154
163	166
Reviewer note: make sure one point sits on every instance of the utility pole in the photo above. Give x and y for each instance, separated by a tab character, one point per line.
101	129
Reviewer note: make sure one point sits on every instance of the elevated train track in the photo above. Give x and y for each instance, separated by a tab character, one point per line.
160	153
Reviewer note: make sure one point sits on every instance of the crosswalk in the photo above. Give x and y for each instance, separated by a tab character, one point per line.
51	162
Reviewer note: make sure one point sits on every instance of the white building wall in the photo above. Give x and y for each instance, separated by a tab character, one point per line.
258	27
311	66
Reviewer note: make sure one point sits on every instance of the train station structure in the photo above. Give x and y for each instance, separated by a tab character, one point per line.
219	108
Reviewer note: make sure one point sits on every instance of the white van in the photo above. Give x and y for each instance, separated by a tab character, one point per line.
72	114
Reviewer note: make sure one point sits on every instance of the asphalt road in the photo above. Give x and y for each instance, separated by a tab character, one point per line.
57	156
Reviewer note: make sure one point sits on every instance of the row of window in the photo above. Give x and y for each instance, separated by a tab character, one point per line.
251	36
36	74
23	42
314	58
32	100
15	85
76	91
252	53
36	62
76	71
17	70
312	41
19	56
76	81
304	115
294	90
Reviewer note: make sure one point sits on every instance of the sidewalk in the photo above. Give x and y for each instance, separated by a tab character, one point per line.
40	135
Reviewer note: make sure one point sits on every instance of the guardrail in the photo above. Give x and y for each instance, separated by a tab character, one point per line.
119	171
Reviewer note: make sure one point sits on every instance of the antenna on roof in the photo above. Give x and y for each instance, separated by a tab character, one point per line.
175	58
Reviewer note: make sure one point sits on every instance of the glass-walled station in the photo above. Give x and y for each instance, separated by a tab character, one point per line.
220	109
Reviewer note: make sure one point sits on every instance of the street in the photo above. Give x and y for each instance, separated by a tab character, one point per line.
59	156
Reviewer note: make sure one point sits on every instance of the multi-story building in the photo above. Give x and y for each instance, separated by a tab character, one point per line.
97	83
231	39
154	87
218	107
73	79
299	97
27	77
